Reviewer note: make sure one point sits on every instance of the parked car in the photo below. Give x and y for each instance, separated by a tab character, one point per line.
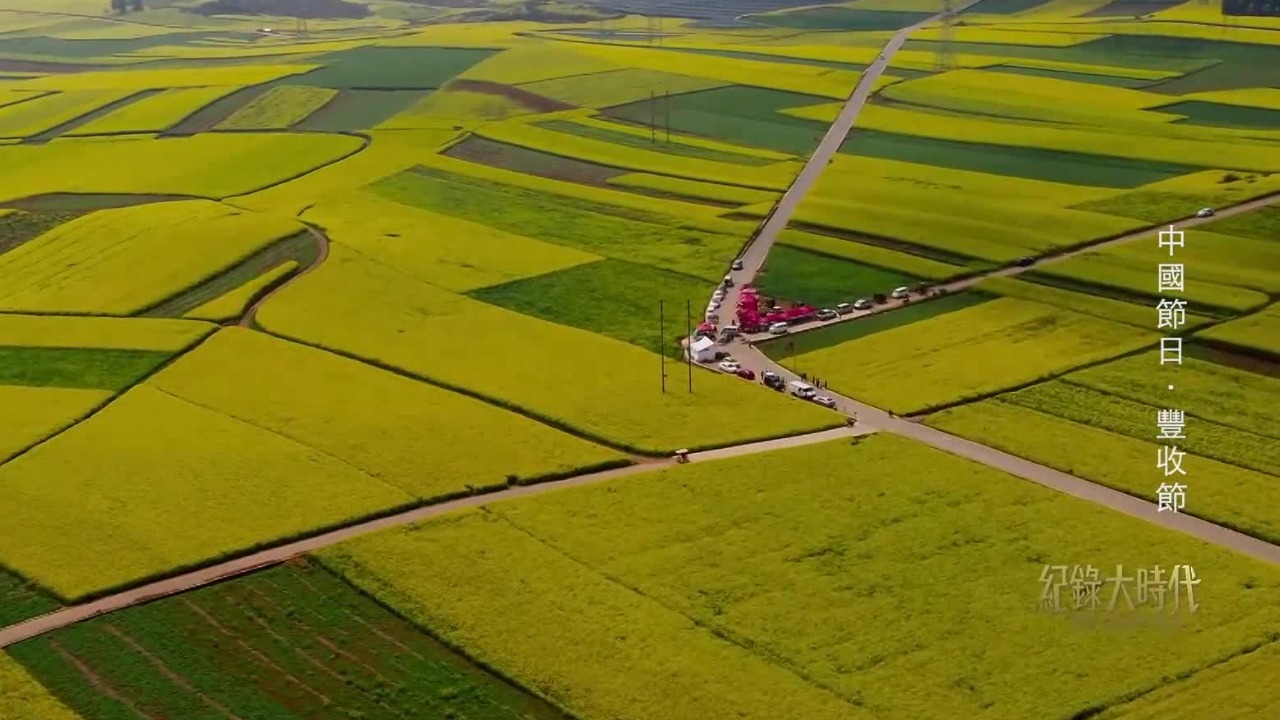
737	265
863	304
774	382
844	309
746	374
778	328
901	293
722	355
1026	261
729	331
802	390
880	298
1205	212
730	366
827	314
768	375
825	401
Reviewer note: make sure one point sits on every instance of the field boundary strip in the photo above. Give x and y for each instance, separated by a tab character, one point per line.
524	412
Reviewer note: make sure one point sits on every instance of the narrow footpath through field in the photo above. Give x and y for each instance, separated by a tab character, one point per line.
872	418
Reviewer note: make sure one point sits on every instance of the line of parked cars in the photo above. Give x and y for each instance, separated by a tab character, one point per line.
802	390
866	303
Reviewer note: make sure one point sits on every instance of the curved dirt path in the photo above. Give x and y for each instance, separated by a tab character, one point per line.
249	318
273	556
874	419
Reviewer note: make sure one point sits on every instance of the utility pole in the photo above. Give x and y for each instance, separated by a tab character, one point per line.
667	107
688	323
653	119
662	346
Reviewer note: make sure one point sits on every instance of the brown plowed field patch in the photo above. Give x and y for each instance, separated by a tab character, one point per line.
532	162
533	101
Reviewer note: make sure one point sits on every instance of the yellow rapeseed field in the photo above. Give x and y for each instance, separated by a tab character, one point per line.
537	61
452	108
968	353
598	386
125	260
1177	144
279	108
444	251
1259	331
110	501
388	153
210	165
9	97
771	177
156	113
25	698
233	304
700	142
32	414
36	116
135	80
1036	98
1226	494
1129	313
1009	34
424	440
1245	679
66	331
851	567
606	89
1250	97
813	80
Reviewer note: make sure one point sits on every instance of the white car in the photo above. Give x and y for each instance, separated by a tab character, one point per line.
901	293
863	304
778	328
730	366
1204	212
737	265
825	401
844	309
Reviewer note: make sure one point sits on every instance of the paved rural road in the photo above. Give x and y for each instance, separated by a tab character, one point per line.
1148	233
322	241
266	558
871	418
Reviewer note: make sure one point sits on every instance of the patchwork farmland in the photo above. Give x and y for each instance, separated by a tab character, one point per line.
422	359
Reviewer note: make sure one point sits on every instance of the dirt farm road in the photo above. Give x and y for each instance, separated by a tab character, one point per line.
961	284
322	242
872	418
273	556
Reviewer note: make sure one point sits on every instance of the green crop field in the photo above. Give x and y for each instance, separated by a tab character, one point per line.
76	368
611	297
291	643
407	283
804	277
1030	163
584	225
745	115
393	68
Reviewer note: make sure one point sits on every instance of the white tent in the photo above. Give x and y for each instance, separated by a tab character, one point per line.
703	350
